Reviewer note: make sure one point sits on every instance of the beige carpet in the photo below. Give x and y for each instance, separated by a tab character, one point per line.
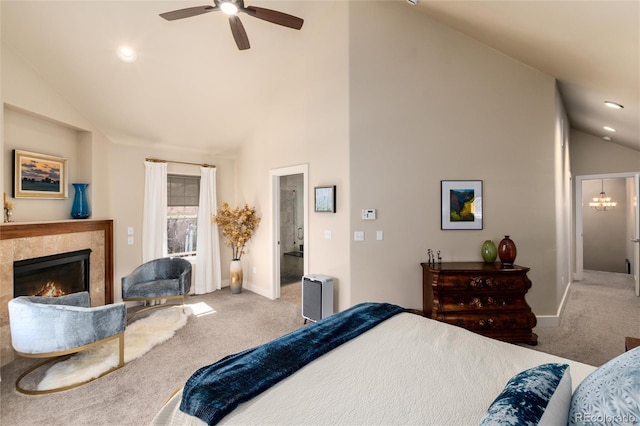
222	324
601	311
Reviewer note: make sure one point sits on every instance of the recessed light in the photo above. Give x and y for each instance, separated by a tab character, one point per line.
613	105
609	129
607	138
126	54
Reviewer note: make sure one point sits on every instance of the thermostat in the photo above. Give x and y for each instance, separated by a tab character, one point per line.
368	214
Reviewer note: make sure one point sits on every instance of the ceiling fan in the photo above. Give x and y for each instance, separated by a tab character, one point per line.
232	8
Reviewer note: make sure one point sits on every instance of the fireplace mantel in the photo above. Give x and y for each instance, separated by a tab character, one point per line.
16	230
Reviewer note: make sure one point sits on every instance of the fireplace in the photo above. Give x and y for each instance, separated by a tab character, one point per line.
52	276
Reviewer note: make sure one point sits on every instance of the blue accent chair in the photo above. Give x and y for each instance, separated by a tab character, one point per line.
54	327
158	279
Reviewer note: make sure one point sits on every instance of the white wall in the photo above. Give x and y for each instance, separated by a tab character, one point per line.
592	155
308	123
427	104
27	132
563	208
37	119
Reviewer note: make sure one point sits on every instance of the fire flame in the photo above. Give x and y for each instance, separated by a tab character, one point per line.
50	289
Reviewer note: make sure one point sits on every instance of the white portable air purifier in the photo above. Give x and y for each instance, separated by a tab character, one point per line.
317	297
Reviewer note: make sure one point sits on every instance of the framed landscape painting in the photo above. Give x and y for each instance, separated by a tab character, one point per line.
39	175
461	204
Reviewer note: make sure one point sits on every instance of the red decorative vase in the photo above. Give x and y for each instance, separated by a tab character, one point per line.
507	251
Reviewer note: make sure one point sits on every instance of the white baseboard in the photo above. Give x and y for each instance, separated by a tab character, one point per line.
262	291
554	320
265	292
548	320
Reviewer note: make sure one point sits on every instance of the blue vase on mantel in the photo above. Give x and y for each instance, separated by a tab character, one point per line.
80	208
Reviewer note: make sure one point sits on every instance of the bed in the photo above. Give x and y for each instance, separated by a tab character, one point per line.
405	369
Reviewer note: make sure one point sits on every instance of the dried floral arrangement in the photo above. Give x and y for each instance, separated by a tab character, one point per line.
237	225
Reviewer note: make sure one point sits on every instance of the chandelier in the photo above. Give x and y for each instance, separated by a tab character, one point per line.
602	202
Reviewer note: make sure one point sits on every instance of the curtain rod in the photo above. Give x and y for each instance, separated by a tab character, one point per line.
155	160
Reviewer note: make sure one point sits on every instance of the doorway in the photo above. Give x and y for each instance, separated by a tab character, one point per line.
607	239
291	237
289	231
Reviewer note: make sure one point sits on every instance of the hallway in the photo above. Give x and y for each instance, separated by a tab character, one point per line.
600	312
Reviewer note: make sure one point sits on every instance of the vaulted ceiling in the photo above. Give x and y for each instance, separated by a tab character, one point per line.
192	87
591	47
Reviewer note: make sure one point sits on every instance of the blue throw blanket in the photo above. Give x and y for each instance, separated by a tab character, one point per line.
214	391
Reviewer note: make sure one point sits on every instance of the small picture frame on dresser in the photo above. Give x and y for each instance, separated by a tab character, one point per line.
461	204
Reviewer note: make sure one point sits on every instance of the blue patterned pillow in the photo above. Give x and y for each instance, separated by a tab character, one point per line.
539	395
611	394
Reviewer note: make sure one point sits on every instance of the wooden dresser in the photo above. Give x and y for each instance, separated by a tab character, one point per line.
486	298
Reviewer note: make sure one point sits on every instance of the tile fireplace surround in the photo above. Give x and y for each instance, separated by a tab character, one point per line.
20	241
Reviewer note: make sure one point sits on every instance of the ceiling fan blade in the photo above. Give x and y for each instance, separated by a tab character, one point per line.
187	13
239	34
275	17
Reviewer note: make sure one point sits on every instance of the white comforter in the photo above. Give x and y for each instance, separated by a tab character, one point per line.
407	370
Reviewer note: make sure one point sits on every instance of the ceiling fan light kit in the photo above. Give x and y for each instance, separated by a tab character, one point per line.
232	8
229	8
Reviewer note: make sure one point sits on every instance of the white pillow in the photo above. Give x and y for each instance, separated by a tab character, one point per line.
611	394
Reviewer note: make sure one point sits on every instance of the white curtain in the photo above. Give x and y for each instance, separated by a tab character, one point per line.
154	214
208	276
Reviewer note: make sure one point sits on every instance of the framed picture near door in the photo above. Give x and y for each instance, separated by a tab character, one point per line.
325	199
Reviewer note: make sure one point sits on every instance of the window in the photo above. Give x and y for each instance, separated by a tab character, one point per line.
183	195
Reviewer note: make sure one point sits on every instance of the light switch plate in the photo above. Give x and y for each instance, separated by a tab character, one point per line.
130	241
358	236
379	235
327	235
130	230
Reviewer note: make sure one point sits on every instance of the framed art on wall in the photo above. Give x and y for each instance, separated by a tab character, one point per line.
39	175
325	199
461	204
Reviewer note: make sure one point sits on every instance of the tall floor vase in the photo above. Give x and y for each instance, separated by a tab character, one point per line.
235	276
80	208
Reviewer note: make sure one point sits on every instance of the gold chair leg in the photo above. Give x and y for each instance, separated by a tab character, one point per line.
163	305
55	359
120	350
